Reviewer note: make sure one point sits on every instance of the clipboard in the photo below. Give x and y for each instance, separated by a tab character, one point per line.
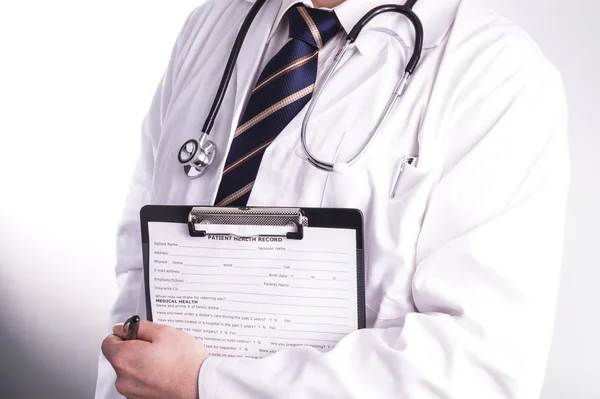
293	226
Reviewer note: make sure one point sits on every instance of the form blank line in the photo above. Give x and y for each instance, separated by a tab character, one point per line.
223	275
321	270
319	288
200	265
256	293
285	338
283	314
246	259
216	283
287	304
213	249
321	324
256	267
317	252
188	256
312	332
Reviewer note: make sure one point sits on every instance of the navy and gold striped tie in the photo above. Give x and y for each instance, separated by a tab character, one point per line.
283	89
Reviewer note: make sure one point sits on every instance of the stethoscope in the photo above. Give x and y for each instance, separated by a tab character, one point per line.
197	156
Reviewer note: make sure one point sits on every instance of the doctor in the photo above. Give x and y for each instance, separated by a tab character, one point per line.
463	248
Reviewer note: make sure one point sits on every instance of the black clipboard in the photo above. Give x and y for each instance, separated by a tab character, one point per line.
296	218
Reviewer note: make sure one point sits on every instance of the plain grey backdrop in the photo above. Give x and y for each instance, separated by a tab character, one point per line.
75	80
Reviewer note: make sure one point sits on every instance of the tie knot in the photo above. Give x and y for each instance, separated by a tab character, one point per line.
315	27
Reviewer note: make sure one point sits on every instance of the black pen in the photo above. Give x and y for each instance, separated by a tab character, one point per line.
131	327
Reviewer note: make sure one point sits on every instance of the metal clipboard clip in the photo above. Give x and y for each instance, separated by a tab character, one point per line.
292	217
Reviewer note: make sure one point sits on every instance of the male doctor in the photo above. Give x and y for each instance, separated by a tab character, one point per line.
463	249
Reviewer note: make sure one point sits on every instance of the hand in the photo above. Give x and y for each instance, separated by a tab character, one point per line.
163	363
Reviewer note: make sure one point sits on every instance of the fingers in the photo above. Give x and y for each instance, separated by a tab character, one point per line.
126	358
110	346
119	353
119	331
147	331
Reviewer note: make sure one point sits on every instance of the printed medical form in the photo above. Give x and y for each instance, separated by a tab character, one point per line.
253	296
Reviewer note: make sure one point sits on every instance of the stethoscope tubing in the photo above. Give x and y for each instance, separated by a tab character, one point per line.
200	154
396	94
231	62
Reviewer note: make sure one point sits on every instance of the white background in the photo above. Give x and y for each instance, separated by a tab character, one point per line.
76	78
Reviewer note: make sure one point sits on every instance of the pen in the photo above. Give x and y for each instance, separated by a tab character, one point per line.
131	327
412	160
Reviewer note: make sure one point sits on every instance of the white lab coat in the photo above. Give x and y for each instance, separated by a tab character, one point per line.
462	259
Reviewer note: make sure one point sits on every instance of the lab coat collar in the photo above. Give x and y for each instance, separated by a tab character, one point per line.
437	17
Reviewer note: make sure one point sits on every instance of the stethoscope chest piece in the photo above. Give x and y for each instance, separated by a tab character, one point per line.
197	156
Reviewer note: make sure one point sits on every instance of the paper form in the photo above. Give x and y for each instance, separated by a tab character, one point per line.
254	297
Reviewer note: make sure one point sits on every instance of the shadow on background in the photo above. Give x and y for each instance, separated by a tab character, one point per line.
41	355
25	376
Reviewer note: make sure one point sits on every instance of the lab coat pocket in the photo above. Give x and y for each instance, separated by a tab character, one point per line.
406	181
408	200
395	265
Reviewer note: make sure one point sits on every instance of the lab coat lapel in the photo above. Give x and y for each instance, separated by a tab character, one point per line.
359	69
351	75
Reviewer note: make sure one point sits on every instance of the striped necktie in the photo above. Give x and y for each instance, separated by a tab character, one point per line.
283	89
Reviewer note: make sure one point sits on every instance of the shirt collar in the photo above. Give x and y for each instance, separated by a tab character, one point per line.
436	16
